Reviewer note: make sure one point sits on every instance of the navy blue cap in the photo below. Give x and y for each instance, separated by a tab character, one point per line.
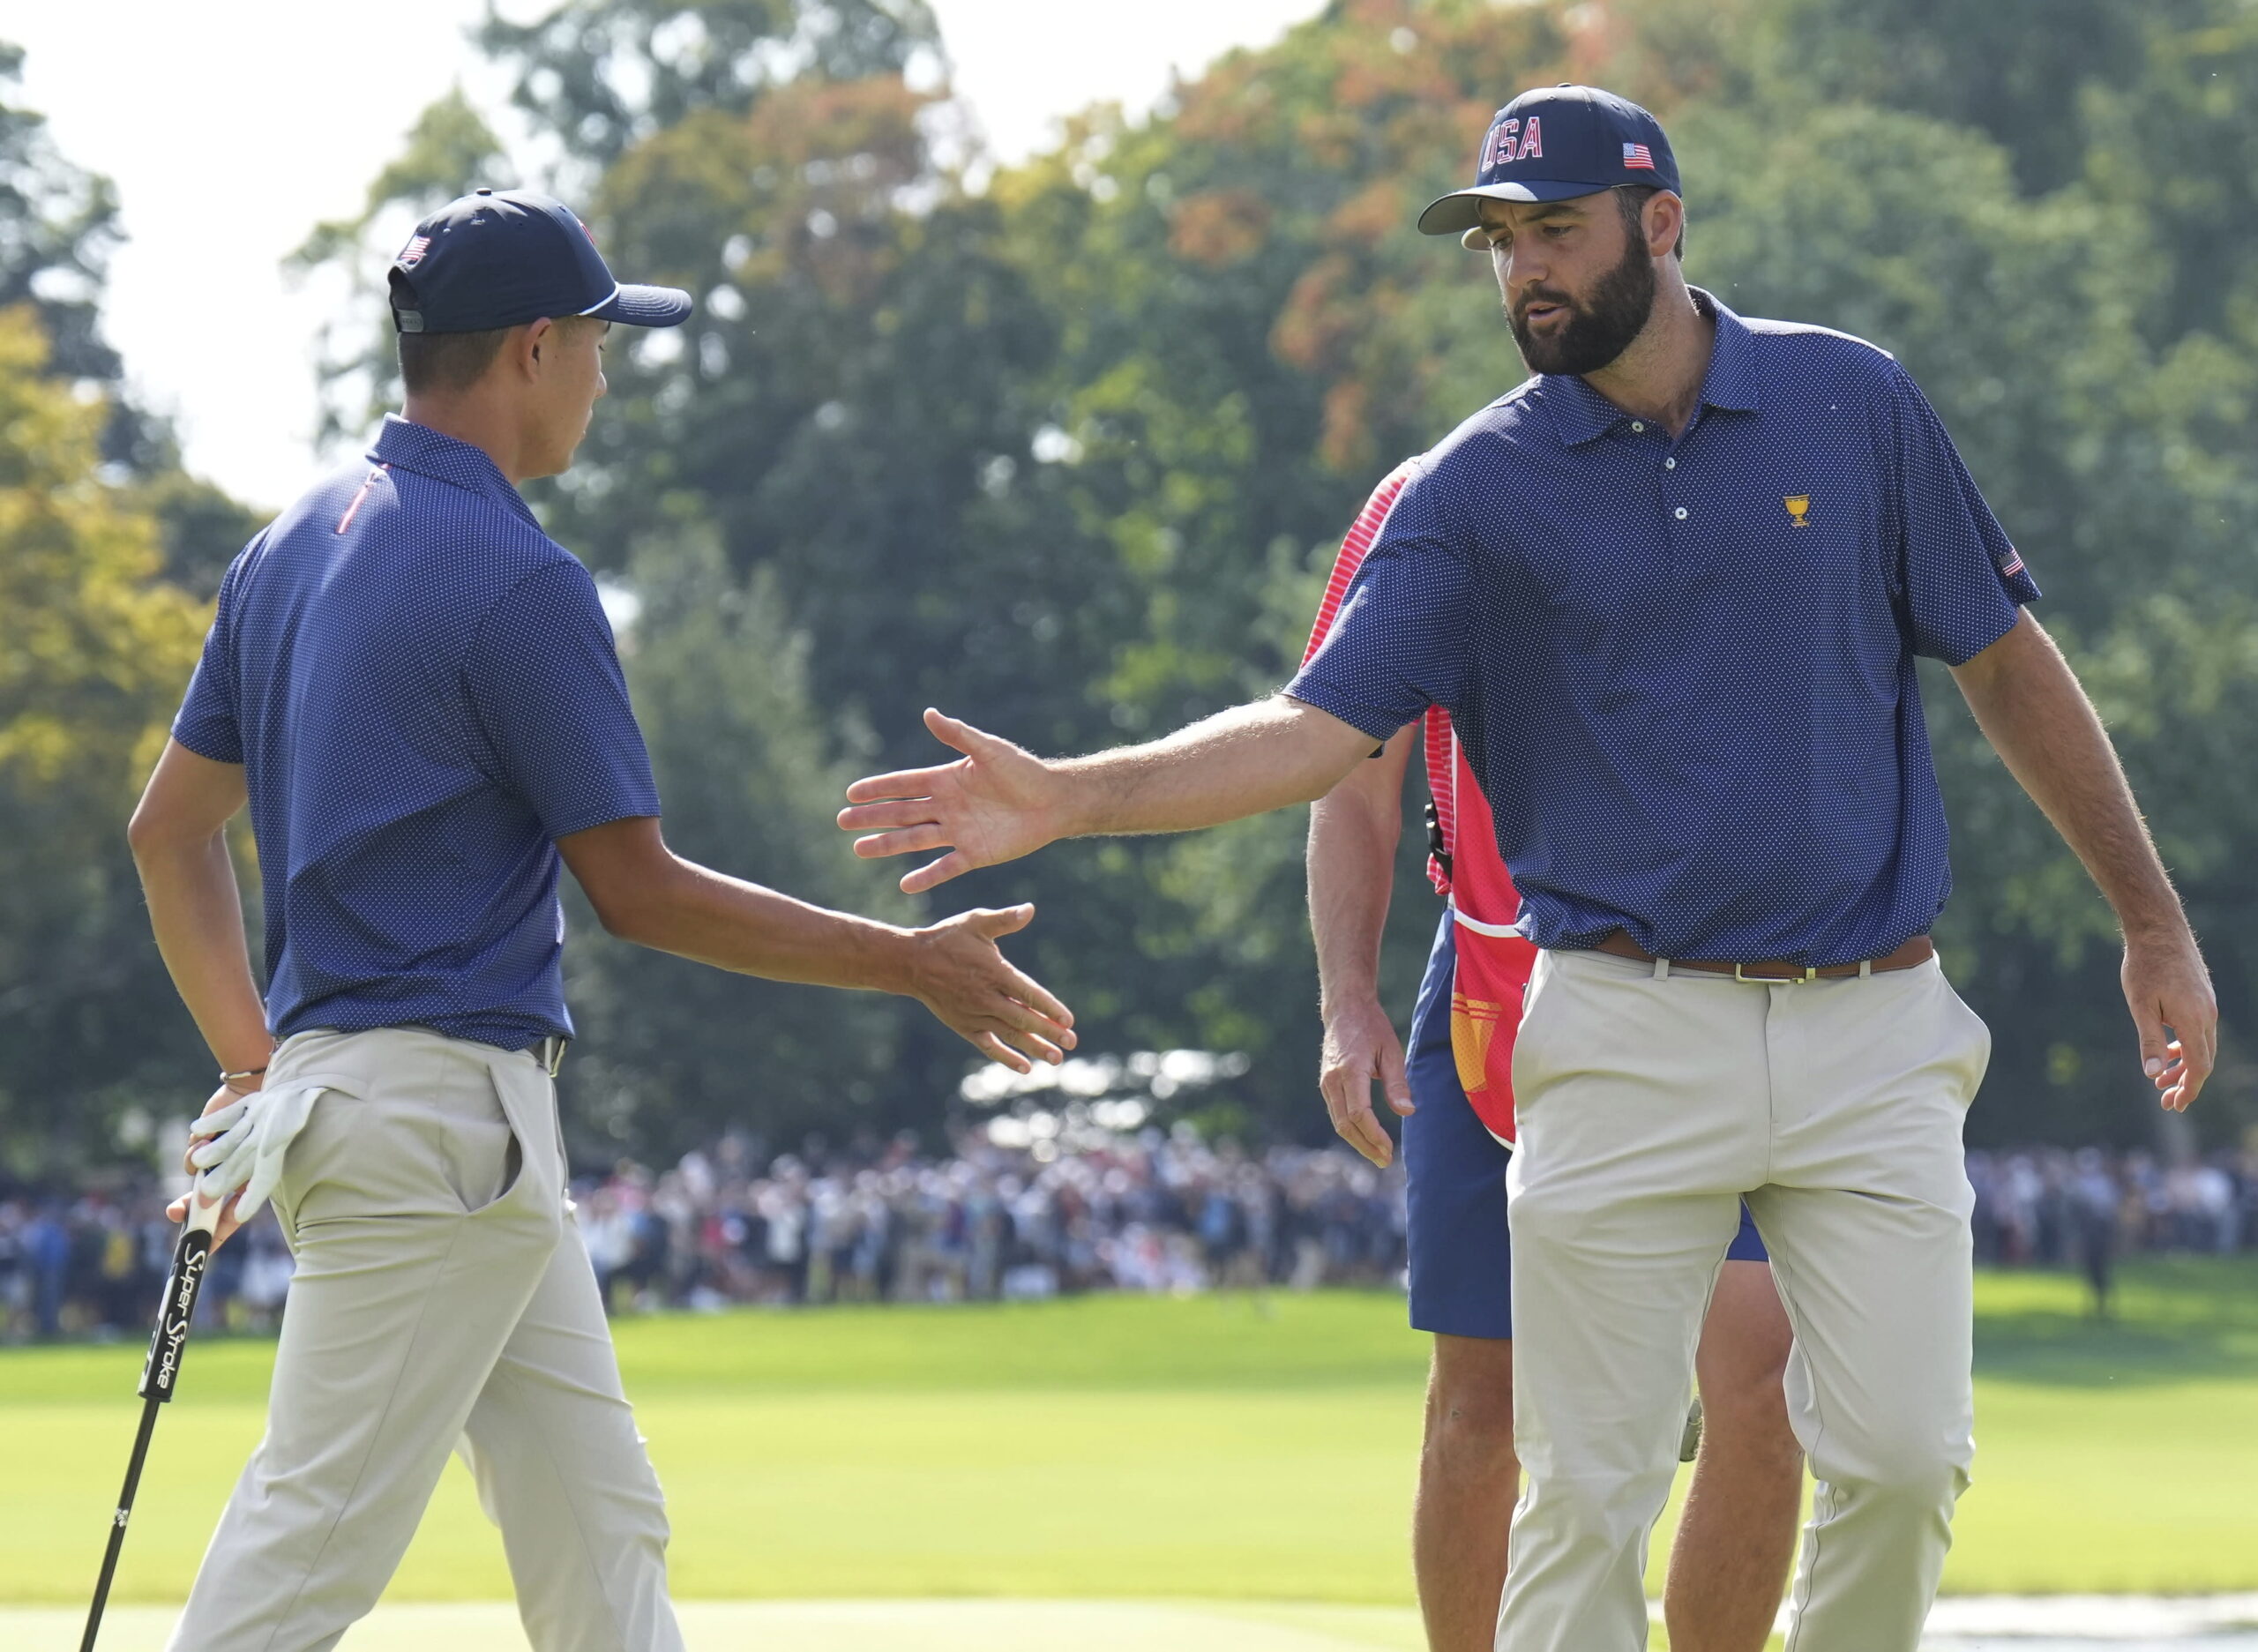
1553	145
503	258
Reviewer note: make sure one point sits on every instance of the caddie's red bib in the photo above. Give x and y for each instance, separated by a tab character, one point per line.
1494	961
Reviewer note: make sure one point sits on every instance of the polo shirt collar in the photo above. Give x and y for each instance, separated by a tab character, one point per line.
405	445
1580	414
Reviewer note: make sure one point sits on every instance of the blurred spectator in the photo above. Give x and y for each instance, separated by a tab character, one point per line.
1151	1212
1033	1208
2054	1207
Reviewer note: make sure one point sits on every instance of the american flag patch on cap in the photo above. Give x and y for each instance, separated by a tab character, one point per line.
1638	155
413	252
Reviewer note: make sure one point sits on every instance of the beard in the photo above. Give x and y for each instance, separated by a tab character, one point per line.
1598	329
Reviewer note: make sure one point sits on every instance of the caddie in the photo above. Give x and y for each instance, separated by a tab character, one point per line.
416	692
1670	591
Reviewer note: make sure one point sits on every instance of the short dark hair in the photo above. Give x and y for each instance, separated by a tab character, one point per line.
439	362
443	361
1631	199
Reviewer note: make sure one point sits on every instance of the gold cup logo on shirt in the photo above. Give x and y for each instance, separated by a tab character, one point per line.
1798	509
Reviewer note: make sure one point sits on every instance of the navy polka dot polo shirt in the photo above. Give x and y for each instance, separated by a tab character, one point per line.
422	689
1684	670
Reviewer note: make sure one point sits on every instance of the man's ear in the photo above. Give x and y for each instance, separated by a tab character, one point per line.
537	334
1664	222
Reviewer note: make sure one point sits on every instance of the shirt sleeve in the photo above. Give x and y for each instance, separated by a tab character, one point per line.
1398	645
207	723
1963	580
545	684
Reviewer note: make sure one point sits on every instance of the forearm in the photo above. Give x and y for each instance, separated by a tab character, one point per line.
1354	831
196	910
694	912
2031	707
1248	760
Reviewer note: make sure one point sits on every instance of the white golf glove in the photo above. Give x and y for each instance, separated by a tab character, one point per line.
245	1142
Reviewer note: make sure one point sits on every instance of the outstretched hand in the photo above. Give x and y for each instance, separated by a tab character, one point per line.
996	802
960	974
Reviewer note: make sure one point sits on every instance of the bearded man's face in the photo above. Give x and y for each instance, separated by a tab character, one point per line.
1578	282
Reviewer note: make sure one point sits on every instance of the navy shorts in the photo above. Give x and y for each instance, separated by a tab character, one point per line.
1455	1180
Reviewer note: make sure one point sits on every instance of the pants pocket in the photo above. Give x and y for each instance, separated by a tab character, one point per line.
480	1154
1967	1033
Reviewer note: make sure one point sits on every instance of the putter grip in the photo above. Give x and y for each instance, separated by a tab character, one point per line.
176	1310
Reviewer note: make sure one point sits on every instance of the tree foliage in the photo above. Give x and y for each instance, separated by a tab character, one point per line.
93	649
1067	449
676	1049
1093	432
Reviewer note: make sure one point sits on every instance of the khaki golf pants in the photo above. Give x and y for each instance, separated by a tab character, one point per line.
443	1301
1649	1102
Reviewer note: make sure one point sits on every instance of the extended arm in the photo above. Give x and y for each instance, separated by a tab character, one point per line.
997	802
2031	707
644	892
1353	832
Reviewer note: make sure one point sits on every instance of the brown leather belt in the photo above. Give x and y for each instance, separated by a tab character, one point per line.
1919	950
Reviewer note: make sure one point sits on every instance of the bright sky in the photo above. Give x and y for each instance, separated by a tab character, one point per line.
231	128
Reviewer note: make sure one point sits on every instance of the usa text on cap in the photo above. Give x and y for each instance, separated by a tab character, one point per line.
1554	144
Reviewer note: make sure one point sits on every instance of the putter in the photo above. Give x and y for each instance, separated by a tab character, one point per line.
175	1312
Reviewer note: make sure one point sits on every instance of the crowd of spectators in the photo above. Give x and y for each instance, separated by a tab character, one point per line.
1022	1215
1148	1212
2055	1207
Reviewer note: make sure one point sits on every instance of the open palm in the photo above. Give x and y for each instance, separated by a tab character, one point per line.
994	803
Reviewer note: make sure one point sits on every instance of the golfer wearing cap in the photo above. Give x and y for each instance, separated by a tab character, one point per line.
1730	1556
416	690
1670	591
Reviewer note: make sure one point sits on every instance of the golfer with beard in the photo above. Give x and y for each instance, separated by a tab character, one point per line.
1670	591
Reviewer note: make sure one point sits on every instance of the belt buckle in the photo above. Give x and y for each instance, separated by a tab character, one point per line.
1740	973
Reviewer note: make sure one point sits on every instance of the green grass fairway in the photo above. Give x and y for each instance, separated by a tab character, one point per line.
927	1625
839	1627
1209	1449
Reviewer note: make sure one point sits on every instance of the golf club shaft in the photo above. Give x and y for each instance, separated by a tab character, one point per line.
117	1524
175	1312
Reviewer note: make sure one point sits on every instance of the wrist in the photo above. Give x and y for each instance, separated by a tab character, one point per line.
1336	999
1073	808
246	1073
2145	930
898	961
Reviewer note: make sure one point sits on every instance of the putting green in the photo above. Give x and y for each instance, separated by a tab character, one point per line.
835	1626
1212	1449
842	1626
